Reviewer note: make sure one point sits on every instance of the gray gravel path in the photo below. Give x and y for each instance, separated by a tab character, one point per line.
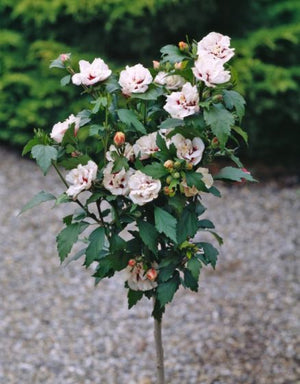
56	328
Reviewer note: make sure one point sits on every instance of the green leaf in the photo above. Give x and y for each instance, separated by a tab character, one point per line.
41	197
119	163
189	281
129	118
165	223
96	239
210	255
217	237
172	54
63	198
214	191
187	224
233	99
72	162
31	143
117	243
65	80
166	291
104	269
67	237
149	235
177	202
96	129
241	132
220	121
156	170
44	154
194	179
165	273
75	257
205	224
151	94
100	102
134	297
57	63
233	174
171	123
194	266
69	136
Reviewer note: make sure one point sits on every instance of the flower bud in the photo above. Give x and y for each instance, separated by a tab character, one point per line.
131	263
178	66
75	154
183	46
188	166
217	98
119	138
176	175
177	164
169	179
214	142
169	164
151	274
64	57
166	191
156	64
245	171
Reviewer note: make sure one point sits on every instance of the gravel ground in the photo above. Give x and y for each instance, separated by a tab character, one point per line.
241	327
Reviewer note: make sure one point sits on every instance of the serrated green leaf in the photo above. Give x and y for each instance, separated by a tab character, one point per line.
119	163
241	132
31	143
65	80
210	255
72	162
63	198
220	120
171	123
165	223
165	273
166	291
129	118
217	237
172	54
149	235
44	155
194	179
155	170
233	99
194	266
67	237
189	280
41	197
205	224
233	174
57	63
187	224
75	257
214	191
134	297
96	245
117	243
151	94
177	202
96	130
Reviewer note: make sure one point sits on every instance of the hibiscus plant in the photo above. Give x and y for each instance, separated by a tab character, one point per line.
135	163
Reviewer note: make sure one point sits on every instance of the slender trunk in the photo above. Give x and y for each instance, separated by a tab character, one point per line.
159	352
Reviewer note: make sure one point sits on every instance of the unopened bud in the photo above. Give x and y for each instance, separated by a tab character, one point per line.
214	142
245	171
166	191
169	164
151	274
75	154
217	98
131	263
189	166
177	164
176	175
156	64
119	138
182	45
178	66
169	179
64	57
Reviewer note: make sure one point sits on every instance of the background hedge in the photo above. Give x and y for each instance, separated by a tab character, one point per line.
265	34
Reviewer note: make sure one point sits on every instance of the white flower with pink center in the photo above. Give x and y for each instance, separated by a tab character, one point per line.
81	178
145	146
91	73
216	46
189	150
135	79
140	279
59	129
116	182
184	103
171	82
210	71
143	188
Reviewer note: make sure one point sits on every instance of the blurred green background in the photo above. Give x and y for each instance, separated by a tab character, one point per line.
265	34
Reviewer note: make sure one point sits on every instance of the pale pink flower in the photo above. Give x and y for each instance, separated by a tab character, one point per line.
59	129
189	150
139	279
145	146
65	57
216	46
135	79
81	178
91	73
171	82
116	182
210	71
143	188
184	103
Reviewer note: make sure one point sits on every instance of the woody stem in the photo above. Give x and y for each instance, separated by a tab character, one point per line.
159	351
